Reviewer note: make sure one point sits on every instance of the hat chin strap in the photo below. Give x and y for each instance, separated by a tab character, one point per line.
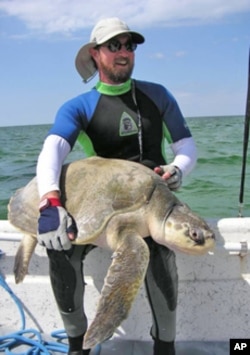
88	71
89	78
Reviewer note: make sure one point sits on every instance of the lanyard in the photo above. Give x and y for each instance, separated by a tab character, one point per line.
139	118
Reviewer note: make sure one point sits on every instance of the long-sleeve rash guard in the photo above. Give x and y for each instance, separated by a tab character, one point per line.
106	121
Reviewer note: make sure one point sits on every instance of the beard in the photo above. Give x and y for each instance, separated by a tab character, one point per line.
117	75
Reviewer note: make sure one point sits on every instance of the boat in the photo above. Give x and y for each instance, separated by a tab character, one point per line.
213	302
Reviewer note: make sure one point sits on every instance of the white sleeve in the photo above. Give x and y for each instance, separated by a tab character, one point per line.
185	155
49	165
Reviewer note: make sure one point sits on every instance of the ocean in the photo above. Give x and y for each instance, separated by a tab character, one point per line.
212	189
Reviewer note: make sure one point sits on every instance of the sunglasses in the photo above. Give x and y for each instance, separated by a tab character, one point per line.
115	46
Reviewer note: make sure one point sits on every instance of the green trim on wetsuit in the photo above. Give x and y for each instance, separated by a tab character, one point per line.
113	90
166	134
86	144
166	137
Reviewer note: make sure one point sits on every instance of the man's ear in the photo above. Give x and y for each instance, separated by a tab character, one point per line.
94	53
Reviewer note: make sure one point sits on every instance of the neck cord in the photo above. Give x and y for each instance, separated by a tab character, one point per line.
140	140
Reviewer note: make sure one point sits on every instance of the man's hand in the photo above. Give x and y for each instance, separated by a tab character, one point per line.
171	174
56	228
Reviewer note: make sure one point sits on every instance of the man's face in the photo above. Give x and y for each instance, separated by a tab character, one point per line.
115	59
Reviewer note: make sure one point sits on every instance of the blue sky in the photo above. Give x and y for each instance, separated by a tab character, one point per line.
199	50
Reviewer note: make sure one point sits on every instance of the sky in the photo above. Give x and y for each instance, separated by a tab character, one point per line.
197	49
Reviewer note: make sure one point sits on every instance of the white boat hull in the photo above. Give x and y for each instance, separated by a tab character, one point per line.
214	290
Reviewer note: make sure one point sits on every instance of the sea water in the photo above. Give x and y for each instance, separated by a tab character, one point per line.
212	189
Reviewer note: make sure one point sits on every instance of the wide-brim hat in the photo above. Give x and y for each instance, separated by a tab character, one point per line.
103	31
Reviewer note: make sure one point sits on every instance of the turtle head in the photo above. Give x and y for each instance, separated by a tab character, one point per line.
185	231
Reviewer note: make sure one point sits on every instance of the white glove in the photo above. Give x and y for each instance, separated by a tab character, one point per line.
171	174
54	225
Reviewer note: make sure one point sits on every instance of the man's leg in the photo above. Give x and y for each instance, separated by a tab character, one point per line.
67	280
162	288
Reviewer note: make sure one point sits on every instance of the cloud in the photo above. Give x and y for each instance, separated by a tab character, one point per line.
158	55
180	54
67	17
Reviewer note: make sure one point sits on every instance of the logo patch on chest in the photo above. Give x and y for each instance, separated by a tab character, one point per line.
127	125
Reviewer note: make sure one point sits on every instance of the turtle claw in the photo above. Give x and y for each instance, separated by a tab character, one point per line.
90	341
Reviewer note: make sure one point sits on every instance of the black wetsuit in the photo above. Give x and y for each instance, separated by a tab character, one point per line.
106	121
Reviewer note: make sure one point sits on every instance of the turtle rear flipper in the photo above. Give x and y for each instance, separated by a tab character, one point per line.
23	256
124	278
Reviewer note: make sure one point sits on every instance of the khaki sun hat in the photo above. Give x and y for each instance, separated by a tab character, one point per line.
103	31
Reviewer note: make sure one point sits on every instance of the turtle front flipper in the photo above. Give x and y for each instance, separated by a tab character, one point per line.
124	278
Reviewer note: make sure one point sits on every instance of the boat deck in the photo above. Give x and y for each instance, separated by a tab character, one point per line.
213	305
146	348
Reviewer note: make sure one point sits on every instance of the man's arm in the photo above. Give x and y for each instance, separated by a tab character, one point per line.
49	165
56	228
184	161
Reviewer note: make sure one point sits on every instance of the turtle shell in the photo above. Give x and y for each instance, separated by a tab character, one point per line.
93	198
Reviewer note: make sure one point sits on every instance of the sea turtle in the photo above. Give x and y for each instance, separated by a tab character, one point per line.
115	203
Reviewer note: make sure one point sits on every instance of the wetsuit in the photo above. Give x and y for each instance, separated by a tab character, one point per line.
132	124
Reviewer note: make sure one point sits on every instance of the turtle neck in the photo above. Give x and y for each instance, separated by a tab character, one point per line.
113	90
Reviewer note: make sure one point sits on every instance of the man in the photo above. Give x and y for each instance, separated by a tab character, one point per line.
118	118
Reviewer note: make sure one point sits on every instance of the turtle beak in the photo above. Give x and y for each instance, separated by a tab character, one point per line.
199	236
